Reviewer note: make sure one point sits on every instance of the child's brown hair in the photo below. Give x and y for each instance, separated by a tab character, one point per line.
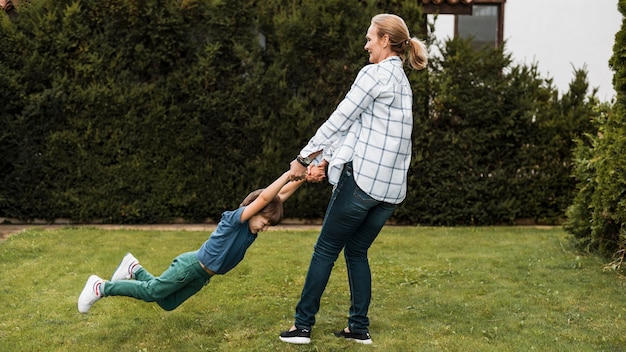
273	211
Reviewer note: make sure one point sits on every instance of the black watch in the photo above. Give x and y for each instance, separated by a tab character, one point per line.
304	161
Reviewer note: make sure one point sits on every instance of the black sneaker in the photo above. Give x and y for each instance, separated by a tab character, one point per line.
365	339
298	336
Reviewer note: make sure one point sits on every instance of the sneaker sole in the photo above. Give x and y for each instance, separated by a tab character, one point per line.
296	340
363	342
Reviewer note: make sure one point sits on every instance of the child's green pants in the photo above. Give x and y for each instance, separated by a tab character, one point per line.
181	280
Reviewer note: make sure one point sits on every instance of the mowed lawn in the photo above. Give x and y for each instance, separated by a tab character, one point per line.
434	289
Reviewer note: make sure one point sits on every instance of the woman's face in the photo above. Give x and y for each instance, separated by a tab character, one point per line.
376	45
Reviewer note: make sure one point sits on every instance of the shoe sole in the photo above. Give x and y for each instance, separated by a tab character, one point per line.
363	342
296	340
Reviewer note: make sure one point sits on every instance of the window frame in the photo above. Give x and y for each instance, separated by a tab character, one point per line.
500	26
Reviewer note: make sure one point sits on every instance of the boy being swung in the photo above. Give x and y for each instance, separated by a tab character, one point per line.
189	272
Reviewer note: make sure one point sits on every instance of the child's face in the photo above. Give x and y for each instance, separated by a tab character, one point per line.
258	223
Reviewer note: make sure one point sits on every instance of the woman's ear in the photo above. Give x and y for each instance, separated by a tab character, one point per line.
385	40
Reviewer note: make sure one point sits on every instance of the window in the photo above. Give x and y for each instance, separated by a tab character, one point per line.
484	25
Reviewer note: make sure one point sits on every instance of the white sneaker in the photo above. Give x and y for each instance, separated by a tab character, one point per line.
124	271
91	293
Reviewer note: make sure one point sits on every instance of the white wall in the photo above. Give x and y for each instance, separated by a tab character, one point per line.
559	36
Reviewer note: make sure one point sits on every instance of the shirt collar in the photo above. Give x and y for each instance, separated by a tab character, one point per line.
392	58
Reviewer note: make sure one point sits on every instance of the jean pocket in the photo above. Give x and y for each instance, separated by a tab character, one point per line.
182	277
362	197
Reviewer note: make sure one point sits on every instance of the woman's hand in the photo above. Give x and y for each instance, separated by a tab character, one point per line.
297	171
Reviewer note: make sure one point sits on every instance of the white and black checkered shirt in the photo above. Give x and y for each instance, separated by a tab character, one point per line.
371	127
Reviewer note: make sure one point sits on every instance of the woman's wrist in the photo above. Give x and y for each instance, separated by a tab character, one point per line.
304	161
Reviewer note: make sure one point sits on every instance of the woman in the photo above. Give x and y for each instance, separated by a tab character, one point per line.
366	143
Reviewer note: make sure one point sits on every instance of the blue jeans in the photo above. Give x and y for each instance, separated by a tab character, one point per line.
352	222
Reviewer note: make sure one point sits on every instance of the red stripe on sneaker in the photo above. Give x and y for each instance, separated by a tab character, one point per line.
96	288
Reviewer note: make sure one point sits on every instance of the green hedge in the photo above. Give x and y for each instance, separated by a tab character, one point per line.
495	145
142	112
597	217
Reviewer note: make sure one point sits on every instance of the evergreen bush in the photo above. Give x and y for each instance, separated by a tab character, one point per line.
151	111
597	217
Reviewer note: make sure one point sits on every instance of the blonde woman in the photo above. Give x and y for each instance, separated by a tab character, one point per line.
366	145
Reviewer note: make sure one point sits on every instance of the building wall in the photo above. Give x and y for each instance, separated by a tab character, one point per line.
558	35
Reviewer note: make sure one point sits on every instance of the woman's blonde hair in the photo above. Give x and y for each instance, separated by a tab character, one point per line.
400	39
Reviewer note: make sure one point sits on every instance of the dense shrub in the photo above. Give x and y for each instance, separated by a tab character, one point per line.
131	108
495	144
597	218
127	112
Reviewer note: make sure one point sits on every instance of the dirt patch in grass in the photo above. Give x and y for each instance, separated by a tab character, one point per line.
7	230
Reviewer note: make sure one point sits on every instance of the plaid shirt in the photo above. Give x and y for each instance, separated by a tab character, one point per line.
371	127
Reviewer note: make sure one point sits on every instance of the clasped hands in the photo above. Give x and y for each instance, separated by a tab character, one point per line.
312	173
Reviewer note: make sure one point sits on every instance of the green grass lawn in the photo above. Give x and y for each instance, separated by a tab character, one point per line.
434	289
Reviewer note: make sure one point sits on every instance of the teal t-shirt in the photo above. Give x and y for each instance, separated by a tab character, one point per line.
228	244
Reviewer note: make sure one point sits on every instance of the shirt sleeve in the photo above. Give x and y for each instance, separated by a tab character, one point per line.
362	93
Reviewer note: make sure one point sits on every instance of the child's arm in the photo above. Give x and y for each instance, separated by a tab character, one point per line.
289	189
265	197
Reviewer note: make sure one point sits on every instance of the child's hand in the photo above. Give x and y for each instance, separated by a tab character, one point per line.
316	173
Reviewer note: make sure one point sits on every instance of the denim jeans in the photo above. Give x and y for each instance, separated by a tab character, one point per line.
352	222
184	278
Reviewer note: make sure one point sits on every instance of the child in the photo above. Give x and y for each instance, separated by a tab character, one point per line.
191	271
